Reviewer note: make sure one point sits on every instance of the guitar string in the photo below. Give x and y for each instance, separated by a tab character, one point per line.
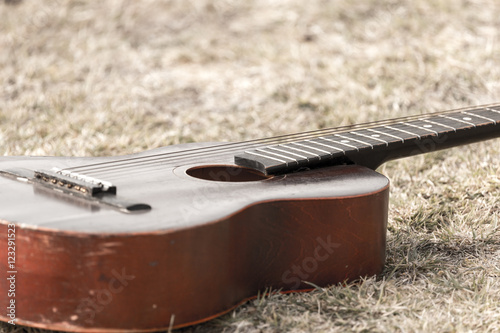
225	148
157	164
212	150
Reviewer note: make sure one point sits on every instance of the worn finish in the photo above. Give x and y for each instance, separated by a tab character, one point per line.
204	247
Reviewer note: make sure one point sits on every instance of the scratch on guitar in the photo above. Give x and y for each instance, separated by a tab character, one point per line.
98	299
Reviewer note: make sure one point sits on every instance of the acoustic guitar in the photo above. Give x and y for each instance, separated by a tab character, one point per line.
178	235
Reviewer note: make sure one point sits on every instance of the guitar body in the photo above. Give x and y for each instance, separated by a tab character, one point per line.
214	237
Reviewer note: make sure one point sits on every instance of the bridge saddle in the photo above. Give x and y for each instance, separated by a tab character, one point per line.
73	182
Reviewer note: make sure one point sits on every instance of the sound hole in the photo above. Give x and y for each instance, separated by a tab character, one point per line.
226	173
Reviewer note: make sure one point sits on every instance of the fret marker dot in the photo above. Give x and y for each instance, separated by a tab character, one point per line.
427	126
345	141
376	135
467	118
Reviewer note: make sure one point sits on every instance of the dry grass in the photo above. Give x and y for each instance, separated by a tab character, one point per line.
115	77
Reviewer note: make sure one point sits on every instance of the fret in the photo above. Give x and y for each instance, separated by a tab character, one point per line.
471	118
347	139
478	115
426	128
382	133
417	129
445	127
342	143
465	120
287	152
457	125
399	133
487	113
404	131
494	108
275	154
326	145
309	147
302	151
250	152
372	137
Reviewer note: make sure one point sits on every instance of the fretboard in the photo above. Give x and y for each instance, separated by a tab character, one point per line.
373	144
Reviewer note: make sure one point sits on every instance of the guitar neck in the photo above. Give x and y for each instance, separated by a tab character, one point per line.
375	143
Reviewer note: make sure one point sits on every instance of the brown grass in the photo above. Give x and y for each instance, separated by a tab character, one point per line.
115	77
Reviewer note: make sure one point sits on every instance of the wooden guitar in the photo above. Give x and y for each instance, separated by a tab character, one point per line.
182	234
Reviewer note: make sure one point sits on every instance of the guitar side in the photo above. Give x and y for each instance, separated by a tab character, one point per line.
235	239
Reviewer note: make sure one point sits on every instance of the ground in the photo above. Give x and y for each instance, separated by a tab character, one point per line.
114	77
